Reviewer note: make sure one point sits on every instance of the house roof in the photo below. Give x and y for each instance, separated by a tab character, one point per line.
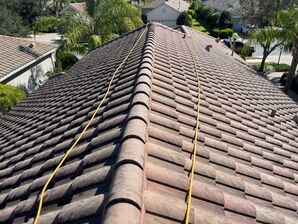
178	5
15	53
233	6
153	4
77	6
132	165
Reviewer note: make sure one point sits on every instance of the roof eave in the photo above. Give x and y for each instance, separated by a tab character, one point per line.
27	65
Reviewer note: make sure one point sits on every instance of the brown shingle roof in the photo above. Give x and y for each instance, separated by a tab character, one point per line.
14	53
132	165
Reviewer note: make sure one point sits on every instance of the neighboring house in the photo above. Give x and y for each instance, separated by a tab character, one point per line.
74	7
232	6
133	164
165	12
24	62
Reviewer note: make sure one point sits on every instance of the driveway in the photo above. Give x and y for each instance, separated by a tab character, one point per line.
48	38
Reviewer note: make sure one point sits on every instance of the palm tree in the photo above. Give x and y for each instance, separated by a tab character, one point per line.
288	20
104	21
269	39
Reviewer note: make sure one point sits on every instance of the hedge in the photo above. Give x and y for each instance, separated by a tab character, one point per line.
9	97
222	33
184	19
67	60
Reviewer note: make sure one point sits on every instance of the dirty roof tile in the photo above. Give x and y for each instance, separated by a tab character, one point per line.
139	148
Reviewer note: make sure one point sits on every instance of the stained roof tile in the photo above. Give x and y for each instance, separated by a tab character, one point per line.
139	148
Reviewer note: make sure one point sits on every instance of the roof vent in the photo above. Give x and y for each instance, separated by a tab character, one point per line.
295	118
208	47
273	112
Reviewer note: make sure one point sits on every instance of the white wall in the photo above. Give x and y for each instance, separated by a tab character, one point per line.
32	78
164	15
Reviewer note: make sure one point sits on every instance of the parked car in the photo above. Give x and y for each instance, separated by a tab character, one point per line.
239	44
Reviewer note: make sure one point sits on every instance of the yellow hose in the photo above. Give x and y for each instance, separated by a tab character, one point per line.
195	142
83	132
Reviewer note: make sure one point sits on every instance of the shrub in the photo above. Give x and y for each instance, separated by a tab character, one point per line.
184	19
246	51
225	33
213	19
225	20
277	67
204	13
273	67
195	4
67	60
215	32
94	41
191	13
9	97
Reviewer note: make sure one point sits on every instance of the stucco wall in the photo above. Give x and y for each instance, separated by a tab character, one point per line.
32	78
164	15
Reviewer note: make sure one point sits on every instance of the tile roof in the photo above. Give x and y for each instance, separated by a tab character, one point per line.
78	6
179	5
153	4
232	6
132	166
14	53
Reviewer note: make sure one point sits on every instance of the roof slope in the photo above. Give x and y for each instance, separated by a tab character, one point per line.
153	4
132	166
179	5
14	53
76	6
232	6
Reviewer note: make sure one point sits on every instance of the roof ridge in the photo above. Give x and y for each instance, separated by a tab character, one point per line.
129	166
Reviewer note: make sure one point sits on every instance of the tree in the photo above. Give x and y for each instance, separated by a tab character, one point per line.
269	39
117	16
288	20
225	20
184	19
9	97
110	18
204	12
11	23
17	16
58	5
262	12
195	4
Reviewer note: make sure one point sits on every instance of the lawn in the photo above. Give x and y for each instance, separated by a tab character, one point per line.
199	27
271	67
